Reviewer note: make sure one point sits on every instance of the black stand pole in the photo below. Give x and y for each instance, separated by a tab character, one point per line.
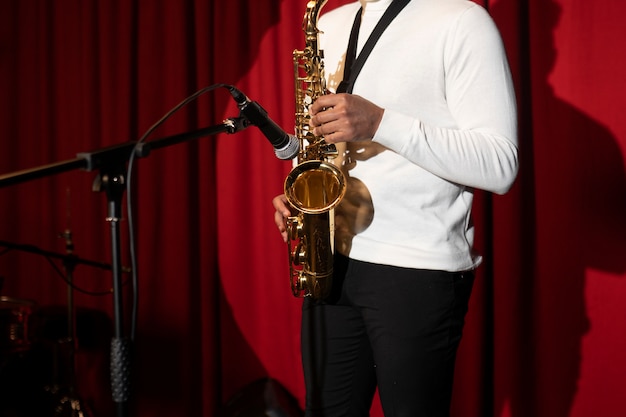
69	401
112	182
112	162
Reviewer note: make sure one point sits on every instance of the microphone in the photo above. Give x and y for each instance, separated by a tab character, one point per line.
285	146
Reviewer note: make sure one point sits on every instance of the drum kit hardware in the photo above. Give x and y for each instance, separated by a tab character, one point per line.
37	356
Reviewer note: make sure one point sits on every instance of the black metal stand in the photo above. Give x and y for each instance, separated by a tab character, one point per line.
69	403
112	162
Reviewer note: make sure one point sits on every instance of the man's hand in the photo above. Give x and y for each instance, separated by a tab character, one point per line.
282	213
345	118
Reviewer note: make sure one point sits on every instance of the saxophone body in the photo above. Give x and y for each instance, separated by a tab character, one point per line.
315	186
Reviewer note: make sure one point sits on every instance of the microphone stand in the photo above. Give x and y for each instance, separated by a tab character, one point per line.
111	162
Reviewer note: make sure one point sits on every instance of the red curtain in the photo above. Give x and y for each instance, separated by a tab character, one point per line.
546	330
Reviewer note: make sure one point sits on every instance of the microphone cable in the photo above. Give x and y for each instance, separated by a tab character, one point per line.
129	204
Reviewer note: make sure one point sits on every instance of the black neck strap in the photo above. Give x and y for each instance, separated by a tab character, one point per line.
353	64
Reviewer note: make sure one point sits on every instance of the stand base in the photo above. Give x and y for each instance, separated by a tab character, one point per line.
67	404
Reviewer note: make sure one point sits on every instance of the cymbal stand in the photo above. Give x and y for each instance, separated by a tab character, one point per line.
67	402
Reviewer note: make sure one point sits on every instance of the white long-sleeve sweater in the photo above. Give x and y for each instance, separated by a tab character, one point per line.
449	126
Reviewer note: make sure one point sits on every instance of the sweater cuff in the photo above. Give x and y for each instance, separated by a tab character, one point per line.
393	130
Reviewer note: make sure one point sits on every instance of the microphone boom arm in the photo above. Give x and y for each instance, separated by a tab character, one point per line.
92	160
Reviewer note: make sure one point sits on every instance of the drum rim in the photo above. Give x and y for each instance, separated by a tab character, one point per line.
16	301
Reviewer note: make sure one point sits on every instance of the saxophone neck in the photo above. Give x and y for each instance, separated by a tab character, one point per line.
309	24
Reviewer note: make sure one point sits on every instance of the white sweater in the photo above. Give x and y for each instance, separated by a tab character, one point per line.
449	126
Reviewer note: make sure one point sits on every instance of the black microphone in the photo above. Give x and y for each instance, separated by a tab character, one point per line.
285	146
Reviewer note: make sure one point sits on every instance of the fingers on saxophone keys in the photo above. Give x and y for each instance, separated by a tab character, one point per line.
322	130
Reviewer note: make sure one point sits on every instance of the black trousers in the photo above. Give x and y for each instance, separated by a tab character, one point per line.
394	328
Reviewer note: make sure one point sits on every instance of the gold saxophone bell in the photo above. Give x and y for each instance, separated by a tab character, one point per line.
315	187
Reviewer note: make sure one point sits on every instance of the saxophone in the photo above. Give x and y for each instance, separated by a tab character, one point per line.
315	186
